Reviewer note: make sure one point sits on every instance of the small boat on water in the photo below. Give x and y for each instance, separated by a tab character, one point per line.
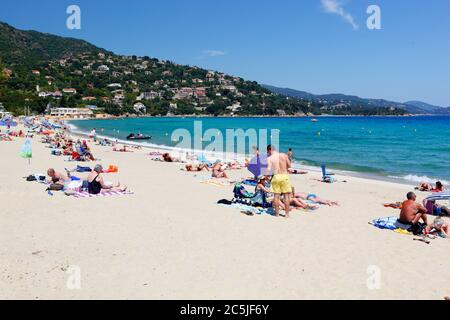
139	136
314	120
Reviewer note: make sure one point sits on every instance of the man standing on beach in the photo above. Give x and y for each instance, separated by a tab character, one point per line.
278	164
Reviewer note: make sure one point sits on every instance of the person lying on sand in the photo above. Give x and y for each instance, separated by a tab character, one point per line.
123	149
57	177
196	168
234	165
299	203
218	170
296	171
167	158
96	184
412	212
315	199
438	227
428	187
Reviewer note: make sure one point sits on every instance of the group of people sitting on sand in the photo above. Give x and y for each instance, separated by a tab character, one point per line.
62	145
414	218
425	186
8	135
273	188
93	182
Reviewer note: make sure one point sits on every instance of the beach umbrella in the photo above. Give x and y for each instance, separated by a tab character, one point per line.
26	150
258	165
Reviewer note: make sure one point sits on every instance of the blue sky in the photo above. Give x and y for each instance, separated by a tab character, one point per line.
320	46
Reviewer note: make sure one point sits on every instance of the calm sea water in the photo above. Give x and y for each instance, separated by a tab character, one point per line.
410	148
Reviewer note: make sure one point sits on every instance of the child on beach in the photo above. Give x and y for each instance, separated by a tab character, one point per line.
438	227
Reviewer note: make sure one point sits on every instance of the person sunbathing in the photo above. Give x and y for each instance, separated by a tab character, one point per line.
412	212
299	203
438	188
167	158
57	177
315	199
196	168
96	184
234	165
438	227
296	171
123	149
429	187
218	170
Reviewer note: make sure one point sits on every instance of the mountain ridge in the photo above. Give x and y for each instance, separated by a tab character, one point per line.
333	99
44	71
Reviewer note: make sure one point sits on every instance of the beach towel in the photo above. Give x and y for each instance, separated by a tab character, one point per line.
250	182
216	183
85	194
255	210
81	169
391	223
386	223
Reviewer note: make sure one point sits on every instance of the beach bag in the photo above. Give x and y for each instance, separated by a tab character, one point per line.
31	177
112	169
417	229
239	192
328	179
56	187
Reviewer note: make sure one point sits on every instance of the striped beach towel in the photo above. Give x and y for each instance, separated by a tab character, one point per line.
85	194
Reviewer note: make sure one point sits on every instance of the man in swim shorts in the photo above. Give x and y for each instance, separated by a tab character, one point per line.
278	164
412	212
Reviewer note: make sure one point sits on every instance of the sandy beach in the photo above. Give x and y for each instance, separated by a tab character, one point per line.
170	240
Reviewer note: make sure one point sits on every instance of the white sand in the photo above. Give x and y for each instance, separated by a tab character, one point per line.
170	240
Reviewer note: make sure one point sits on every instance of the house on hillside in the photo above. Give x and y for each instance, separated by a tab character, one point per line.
89	98
103	68
200	92
69	90
115	85
3	112
149	95
140	107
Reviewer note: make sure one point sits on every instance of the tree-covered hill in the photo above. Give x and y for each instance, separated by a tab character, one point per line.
41	71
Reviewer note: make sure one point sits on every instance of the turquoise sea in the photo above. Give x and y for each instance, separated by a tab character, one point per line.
408	148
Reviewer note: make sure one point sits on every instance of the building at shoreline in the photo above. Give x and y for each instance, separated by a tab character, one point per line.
73	113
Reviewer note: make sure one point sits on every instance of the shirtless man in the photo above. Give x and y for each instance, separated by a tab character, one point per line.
56	177
412	211
278	165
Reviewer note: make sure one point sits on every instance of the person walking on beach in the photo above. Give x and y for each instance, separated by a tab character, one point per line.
278	164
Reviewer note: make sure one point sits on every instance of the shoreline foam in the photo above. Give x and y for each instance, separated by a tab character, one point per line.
409	180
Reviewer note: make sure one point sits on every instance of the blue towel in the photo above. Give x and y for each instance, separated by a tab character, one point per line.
386	223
